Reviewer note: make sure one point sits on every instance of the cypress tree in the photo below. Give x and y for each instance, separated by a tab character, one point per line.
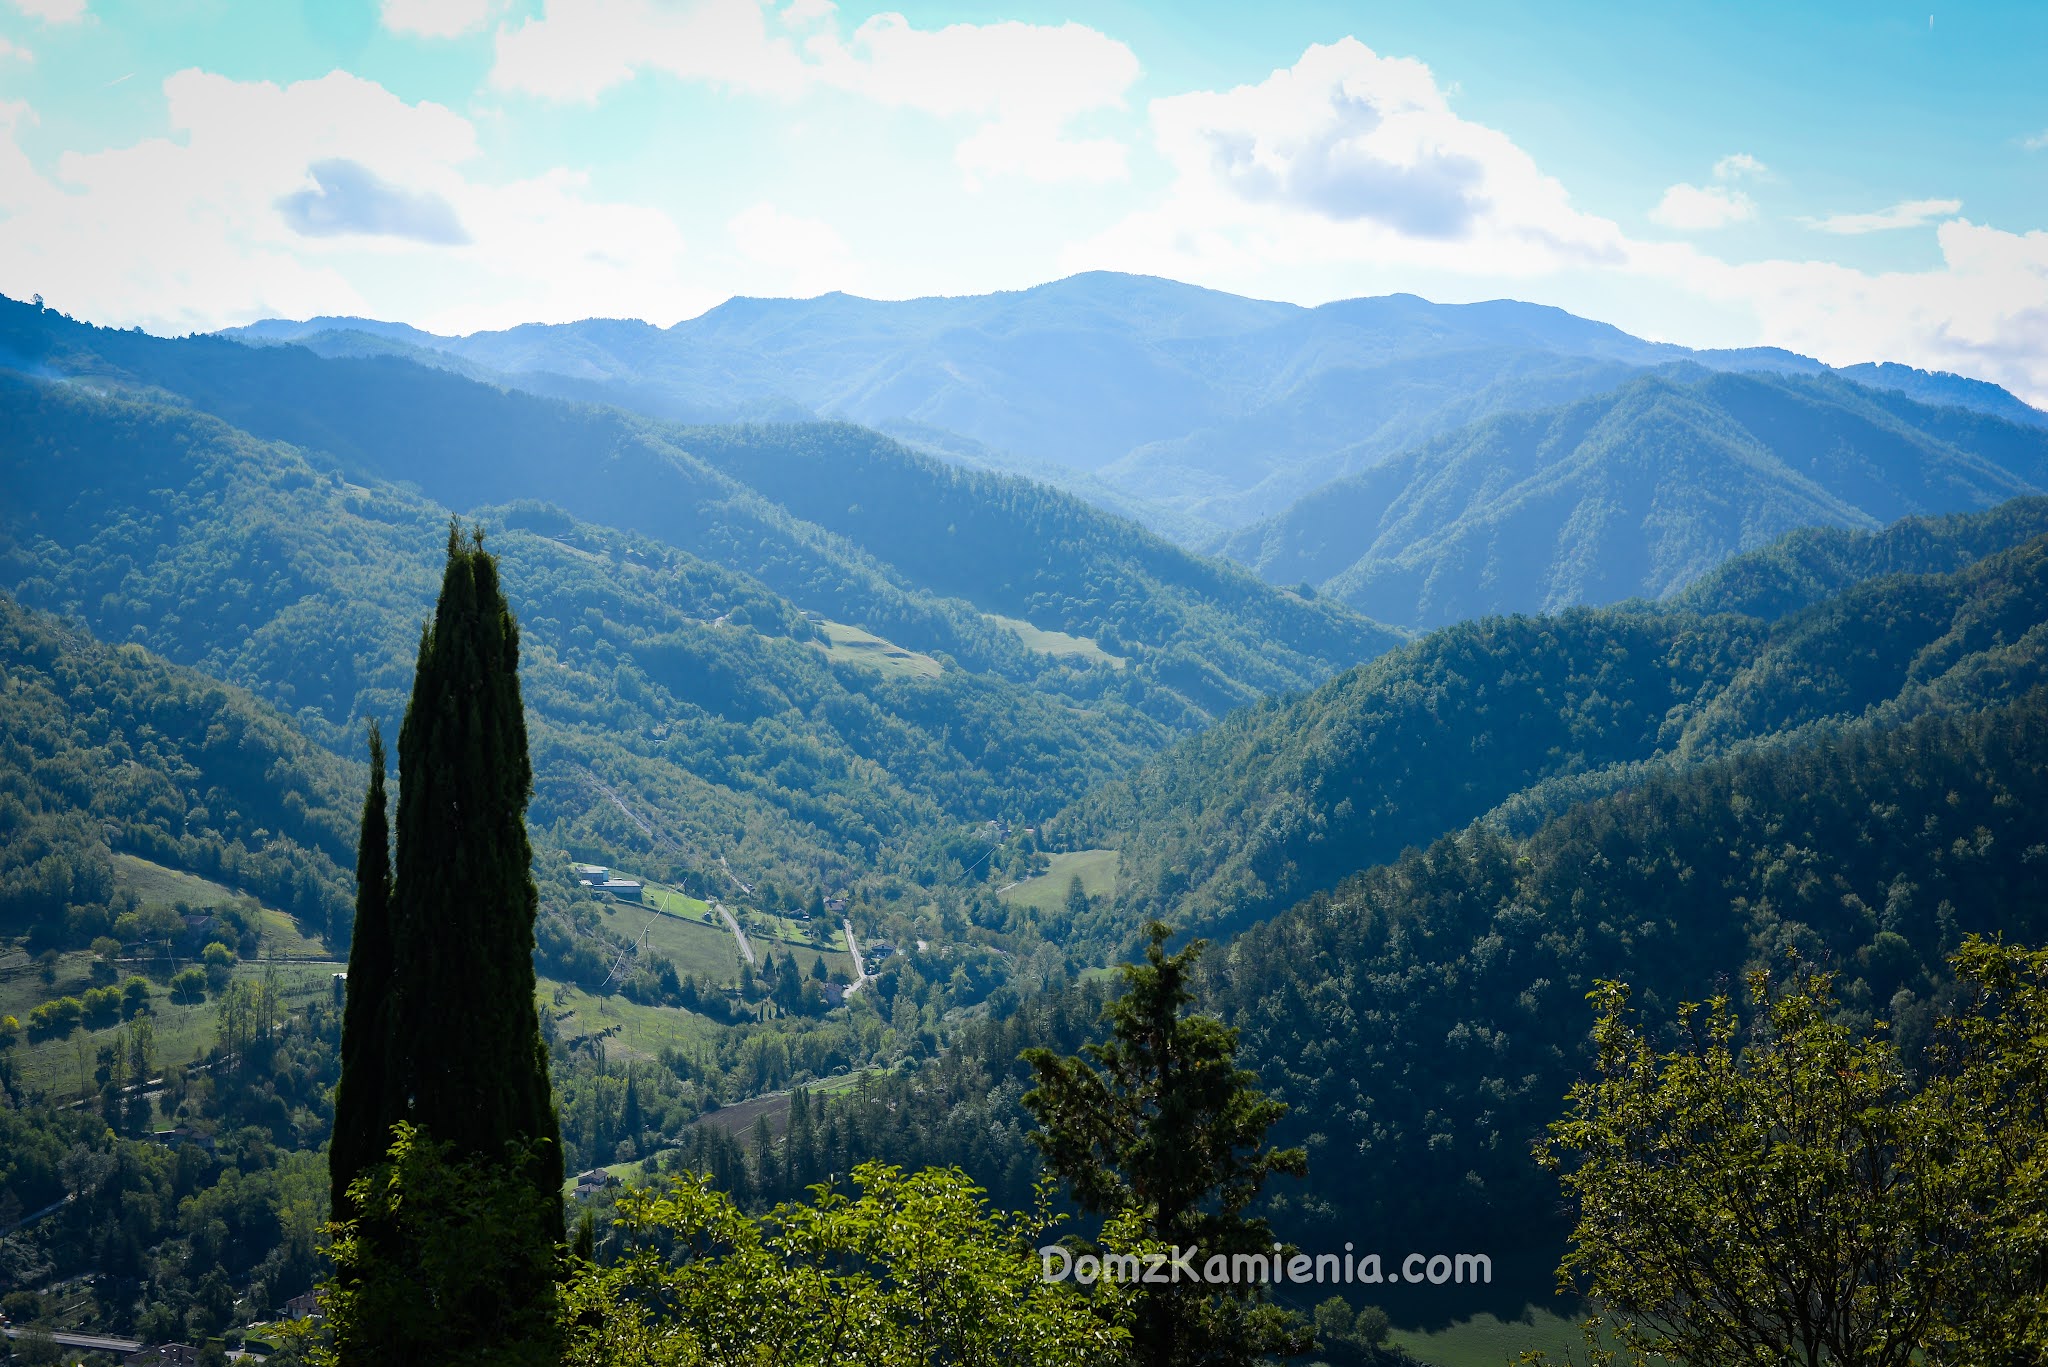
364	1106
475	1072
441	1030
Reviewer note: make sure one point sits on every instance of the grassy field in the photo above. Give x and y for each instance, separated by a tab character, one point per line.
1484	1341
705	948
644	1031
1058	642
1095	868
851	645
157	886
56	1065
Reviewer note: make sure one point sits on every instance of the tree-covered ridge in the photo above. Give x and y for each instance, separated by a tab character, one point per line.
106	748
1426	1017
1207	628
1636	492
1292	795
697	690
1528	715
744	498
1803	567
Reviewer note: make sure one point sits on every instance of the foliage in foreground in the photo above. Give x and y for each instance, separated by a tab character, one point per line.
914	1269
1804	1199
422	1270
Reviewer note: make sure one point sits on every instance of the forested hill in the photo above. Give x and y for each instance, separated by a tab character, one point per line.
1803	567
756	732
1427	1017
1524	715
108	748
898	560
1636	492
1424	1018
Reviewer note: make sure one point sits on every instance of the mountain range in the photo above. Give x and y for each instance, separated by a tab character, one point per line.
1194	410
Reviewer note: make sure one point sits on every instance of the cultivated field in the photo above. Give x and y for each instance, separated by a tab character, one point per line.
1058	642
1048	892
851	645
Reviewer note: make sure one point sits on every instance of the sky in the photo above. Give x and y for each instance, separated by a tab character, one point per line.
1854	181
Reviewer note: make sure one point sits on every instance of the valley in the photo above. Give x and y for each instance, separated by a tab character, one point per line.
1711	663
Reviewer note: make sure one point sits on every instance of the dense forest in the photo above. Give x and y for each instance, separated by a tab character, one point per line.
1635	492
108	748
1523	714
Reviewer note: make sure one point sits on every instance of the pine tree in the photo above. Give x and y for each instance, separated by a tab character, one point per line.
1159	1120
364	1104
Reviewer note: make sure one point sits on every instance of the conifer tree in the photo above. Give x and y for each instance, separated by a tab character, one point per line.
1159	1121
364	1106
449	1251
475	1072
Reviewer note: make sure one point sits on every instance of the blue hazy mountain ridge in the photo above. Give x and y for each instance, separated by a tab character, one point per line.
1637	492
1210	409
1199	635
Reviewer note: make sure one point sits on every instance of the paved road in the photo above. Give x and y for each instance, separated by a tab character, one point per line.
860	967
746	950
89	1342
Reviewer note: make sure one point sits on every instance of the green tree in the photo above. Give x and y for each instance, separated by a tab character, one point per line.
1798	1198
449	1046
463	898
910	1270
424	1268
365	1104
1160	1124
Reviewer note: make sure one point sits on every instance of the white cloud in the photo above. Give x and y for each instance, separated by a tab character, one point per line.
1349	173
804	256
1913	213
1983	311
1692	208
1739	164
1021	85
435	18
2037	142
9	49
1345	157
330	195
52	11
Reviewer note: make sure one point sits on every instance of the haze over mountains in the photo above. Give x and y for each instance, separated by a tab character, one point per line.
1421	462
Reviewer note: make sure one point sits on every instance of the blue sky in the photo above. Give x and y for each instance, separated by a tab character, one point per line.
1854	180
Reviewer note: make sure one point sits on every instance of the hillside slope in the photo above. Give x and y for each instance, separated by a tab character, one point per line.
1634	493
1221	636
1524	716
1427	1017
699	691
108	748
